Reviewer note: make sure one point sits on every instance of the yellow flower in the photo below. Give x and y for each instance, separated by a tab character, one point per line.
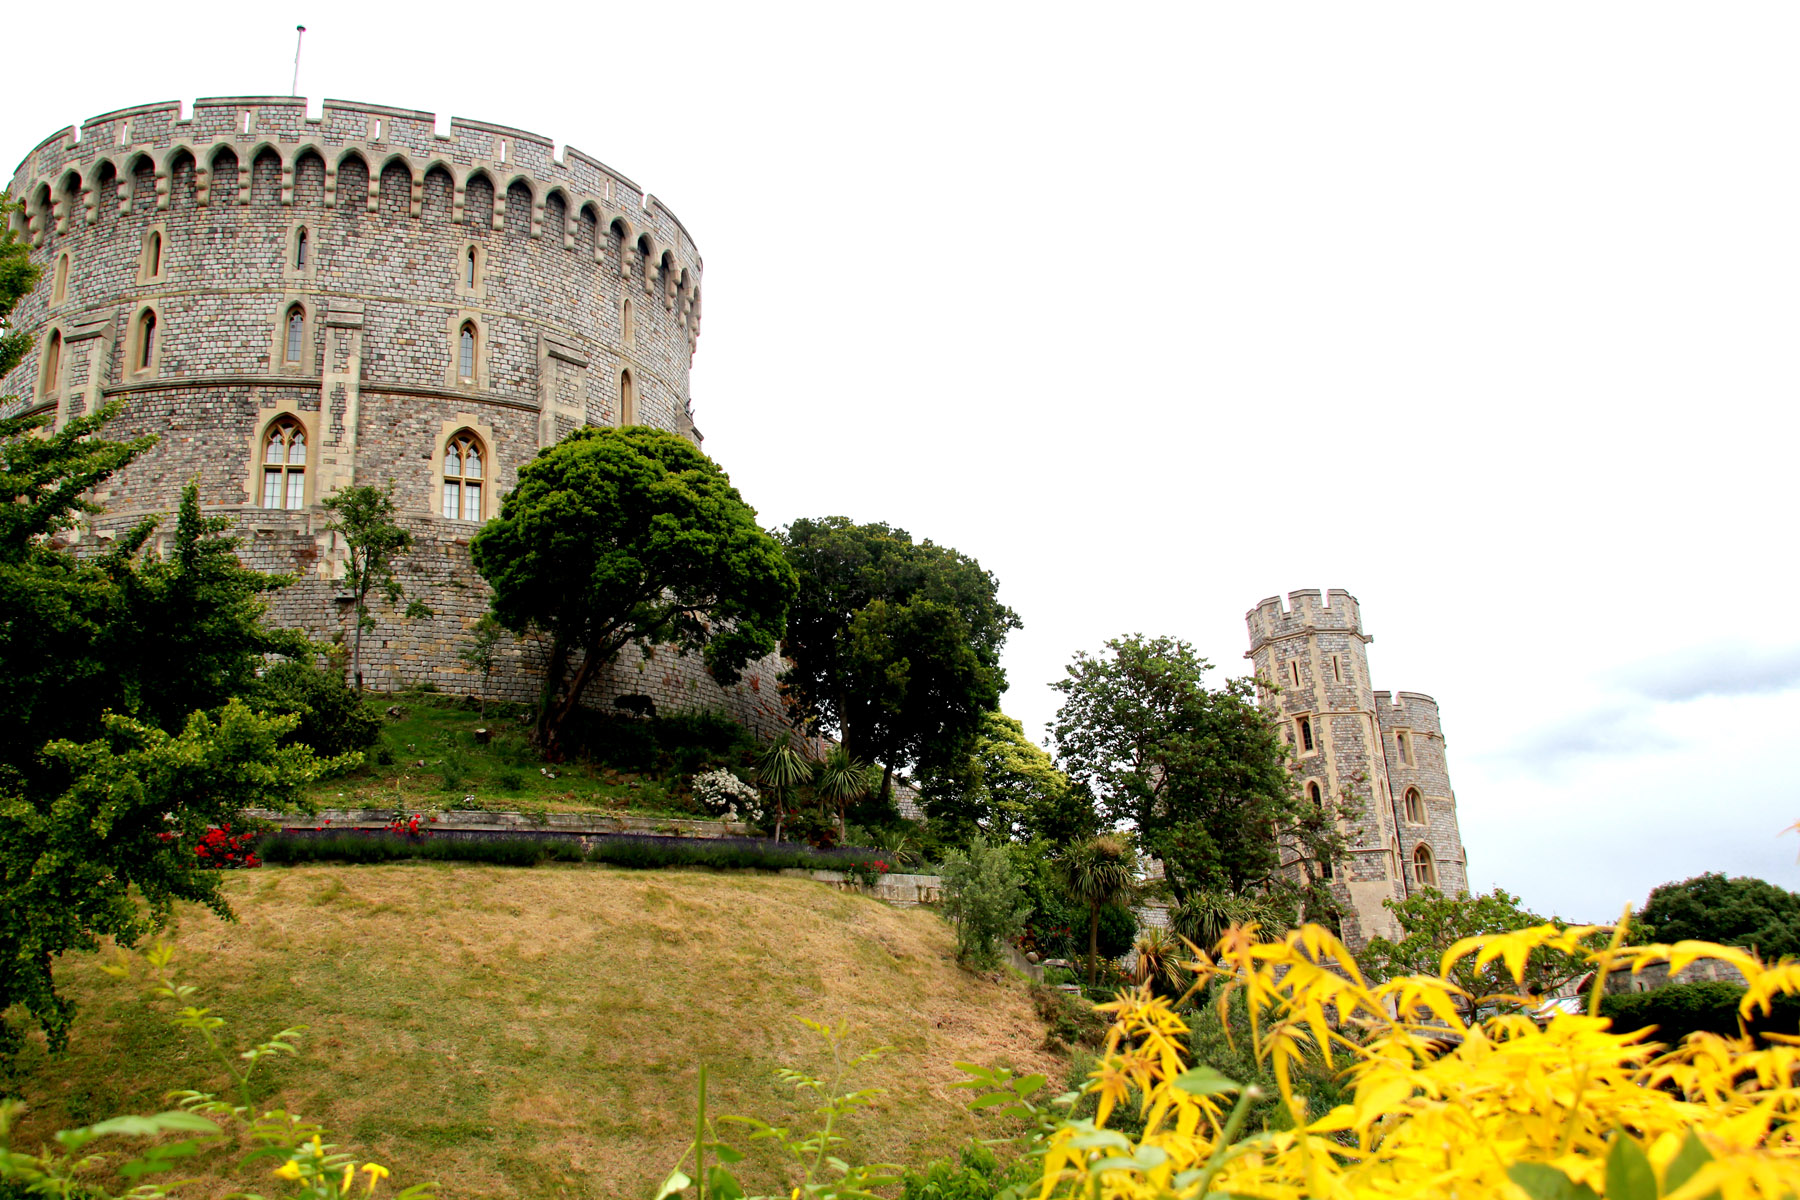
288	1170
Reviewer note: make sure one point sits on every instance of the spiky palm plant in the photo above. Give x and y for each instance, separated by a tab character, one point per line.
1096	872
780	768
842	779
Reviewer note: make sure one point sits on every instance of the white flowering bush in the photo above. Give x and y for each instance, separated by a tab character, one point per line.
726	796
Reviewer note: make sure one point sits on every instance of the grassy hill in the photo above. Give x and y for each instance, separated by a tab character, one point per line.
536	1032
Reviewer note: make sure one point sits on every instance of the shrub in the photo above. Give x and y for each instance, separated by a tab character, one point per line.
975	1175
984	900
510	780
528	852
865	872
724	795
1068	1020
1683	1008
333	719
1118	931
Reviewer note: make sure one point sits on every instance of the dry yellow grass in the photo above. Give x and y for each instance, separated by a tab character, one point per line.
536	1032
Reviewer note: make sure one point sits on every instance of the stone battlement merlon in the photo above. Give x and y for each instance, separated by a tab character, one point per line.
1307	610
64	169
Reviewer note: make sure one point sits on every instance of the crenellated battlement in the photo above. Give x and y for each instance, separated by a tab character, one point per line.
1307	610
62	179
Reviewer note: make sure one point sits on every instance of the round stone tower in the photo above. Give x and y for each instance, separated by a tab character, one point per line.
293	304
1352	743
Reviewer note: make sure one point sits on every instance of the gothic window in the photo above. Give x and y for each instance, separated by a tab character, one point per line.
1403	744
1306	734
1424	869
300	248
146	339
465	353
296	334
628	319
1313	794
284	465
153	255
465	471
59	286
1414	806
627	399
469	268
52	374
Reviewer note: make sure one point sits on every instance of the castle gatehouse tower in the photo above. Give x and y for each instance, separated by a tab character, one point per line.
1381	752
294	303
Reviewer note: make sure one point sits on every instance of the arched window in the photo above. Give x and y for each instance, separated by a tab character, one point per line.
59	286
465	471
465	353
469	267
284	465
1403	744
296	334
146	334
628	319
1313	794
1306	736
153	255
1424	869
300	248
1414	806
52	374
627	399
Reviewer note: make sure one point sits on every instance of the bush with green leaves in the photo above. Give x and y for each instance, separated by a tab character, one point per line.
334	720
727	797
1710	1006
975	1174
984	900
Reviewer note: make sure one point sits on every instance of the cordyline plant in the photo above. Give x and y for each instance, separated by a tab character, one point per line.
1509	1106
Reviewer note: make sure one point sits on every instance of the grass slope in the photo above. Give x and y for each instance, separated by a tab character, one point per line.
535	1032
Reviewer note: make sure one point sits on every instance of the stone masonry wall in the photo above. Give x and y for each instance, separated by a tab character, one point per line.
173	263
1416	716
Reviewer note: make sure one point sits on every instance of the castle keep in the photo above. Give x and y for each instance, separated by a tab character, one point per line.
292	304
1382	752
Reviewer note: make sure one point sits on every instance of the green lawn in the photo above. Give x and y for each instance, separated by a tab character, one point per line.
536	1032
429	757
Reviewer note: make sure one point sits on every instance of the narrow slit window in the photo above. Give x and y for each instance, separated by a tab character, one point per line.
465	354
284	465
629	321
464	477
627	399
52	363
1294	670
469	268
1337	670
59	289
300	248
1306	734
1404	745
154	258
296	333
146	339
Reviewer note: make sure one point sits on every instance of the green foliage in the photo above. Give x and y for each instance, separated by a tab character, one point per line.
1006	789
984	901
1098	872
1056	923
616	536
1201	774
1740	911
1204	917
364	516
1068	1020
1117	931
18	275
99	841
780	768
895	644
1432	922
482	650
1226	1043
333	719
977	1174
841	779
1710	1006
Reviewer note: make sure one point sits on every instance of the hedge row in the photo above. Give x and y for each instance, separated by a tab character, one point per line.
1684	1008
529	852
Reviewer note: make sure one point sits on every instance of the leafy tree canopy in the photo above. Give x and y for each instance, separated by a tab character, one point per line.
1007	789
1431	922
1201	773
895	643
616	536
1739	911
18	275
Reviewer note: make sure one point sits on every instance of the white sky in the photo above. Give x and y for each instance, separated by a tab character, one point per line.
1483	313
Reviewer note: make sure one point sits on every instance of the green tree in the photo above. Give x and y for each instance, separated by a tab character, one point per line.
615	536
840	780
18	275
984	900
1200	773
364	516
99	840
1007	789
1096	872
895	644
482	650
1739	911
781	768
1431	922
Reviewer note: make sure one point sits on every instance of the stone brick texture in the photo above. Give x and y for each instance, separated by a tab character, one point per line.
1311	662
390	208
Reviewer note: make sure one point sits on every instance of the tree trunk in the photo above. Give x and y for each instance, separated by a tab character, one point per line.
553	673
356	645
780	815
1093	943
570	702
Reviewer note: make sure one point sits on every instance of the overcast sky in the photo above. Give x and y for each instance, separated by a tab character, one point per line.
1485	314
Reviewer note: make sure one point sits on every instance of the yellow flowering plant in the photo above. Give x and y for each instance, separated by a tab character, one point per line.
1503	1103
